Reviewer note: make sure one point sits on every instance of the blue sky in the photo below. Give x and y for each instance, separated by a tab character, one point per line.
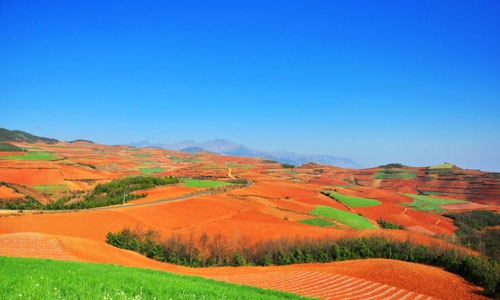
416	82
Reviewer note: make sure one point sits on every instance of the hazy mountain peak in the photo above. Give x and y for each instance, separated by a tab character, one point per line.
225	147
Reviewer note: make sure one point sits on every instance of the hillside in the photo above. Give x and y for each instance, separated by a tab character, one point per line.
236	202
23	137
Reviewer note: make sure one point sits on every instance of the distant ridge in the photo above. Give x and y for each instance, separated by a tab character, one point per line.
81	140
193	150
21	136
225	147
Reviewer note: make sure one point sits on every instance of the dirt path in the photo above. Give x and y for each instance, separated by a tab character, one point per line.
115	207
229	173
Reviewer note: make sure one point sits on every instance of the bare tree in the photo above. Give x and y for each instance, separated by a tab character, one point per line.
204	241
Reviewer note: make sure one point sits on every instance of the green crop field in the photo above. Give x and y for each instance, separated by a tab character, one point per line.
27	278
439	171
429	203
184	159
296	179
443	166
34	156
237	166
435	193
317	222
395	174
63	147
352	220
204	183
51	188
142	155
352	201
150	171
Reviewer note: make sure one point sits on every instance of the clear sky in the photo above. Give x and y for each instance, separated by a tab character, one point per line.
416	82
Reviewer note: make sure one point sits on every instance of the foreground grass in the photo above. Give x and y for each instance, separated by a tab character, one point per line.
352	220
204	183
34	156
26	278
352	201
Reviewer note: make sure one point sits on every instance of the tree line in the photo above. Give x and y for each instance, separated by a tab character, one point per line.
111	193
217	250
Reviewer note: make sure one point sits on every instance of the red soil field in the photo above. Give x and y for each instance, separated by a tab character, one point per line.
7	192
378	278
32	176
267	209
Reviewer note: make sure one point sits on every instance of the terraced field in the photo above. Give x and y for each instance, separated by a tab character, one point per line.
323	285
34	245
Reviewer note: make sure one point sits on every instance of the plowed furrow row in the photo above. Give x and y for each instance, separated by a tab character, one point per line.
323	285
32	245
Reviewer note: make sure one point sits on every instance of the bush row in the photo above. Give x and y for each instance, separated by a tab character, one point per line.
217	250
107	194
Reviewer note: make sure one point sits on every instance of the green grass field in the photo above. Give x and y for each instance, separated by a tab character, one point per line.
150	171
352	201
395	174
63	147
443	166
317	222
352	220
424	203
34	156
142	155
435	193
51	188
204	183
184	159
27	278
237	166
439	171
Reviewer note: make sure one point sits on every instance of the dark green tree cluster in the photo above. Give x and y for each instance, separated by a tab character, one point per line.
473	231
392	166
27	202
219	251
388	225
241	181
469	221
6	147
107	194
112	193
289	166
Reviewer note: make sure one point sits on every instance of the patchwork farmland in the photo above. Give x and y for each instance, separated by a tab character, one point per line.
61	201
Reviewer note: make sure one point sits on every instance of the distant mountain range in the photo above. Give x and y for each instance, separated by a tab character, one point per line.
224	147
